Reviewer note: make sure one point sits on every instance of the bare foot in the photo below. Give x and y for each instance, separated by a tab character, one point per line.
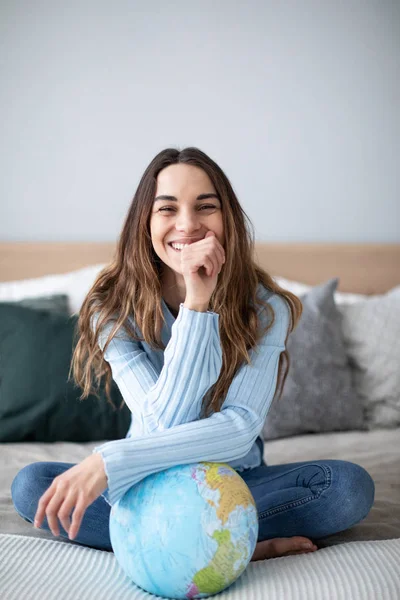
282	547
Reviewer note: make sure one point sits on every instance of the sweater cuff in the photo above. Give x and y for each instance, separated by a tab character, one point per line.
184	309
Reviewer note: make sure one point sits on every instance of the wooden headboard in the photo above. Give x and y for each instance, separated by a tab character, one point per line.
361	268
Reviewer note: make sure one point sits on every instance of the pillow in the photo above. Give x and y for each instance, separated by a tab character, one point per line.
318	394
299	288
57	303
371	331
37	402
75	284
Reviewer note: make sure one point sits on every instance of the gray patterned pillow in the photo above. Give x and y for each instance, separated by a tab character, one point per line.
318	394
371	331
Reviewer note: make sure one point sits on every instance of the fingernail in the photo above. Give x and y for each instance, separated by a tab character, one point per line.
307	546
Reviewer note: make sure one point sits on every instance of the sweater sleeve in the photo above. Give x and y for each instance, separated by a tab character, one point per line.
192	364
222	437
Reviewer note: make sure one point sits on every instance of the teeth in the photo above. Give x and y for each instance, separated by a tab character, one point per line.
179	246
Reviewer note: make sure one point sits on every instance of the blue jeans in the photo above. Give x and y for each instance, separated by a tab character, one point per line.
312	499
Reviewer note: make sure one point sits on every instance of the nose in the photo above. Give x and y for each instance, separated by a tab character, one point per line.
188	221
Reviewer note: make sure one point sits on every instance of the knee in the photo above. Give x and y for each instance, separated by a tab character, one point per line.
356	492
25	490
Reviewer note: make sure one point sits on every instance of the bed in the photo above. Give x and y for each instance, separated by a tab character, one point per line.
361	562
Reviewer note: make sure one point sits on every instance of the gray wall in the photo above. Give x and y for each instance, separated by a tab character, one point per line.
297	101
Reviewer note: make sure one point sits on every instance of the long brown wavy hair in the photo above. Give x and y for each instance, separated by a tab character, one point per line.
131	286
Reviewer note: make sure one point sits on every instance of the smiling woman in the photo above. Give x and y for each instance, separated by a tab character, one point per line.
195	337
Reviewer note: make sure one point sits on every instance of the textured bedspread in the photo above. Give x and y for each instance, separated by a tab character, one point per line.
352	571
362	570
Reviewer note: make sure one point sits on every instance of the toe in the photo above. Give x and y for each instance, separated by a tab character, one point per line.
295	545
299	541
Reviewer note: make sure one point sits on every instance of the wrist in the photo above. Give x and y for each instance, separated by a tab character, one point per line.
199	307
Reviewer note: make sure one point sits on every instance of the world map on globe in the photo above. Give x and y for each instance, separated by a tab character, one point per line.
186	532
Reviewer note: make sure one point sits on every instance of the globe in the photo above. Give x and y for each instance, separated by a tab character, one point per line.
186	532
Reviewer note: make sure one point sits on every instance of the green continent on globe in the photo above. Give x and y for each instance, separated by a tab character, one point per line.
234	495
219	573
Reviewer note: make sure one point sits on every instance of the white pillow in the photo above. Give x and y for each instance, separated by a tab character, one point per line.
75	284
302	288
371	330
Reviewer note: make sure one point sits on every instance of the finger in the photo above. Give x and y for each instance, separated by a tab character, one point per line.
196	261
205	262
52	511
53	507
65	512
42	505
220	256
220	260
77	518
219	250
212	255
214	264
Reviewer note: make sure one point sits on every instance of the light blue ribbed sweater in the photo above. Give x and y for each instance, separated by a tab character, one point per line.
164	391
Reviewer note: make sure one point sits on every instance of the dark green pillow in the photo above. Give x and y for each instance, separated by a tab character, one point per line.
53	303
37	402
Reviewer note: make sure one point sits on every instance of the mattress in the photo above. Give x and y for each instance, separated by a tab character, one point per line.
366	556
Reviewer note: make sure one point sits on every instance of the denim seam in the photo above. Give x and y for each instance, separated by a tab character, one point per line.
272	511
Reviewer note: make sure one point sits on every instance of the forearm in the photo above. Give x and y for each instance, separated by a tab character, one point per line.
223	437
192	364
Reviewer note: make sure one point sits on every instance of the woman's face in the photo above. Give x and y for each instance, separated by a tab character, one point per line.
184	216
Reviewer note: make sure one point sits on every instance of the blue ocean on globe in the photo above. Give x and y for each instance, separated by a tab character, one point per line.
185	532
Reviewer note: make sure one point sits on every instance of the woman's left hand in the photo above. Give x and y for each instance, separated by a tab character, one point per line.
75	489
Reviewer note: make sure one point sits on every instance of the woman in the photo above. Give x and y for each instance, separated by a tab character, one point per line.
194	334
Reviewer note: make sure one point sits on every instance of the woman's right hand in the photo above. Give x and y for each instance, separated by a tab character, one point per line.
201	263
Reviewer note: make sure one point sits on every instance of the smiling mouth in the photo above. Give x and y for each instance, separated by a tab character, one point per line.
175	249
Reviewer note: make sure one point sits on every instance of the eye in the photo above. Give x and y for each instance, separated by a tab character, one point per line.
168	208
